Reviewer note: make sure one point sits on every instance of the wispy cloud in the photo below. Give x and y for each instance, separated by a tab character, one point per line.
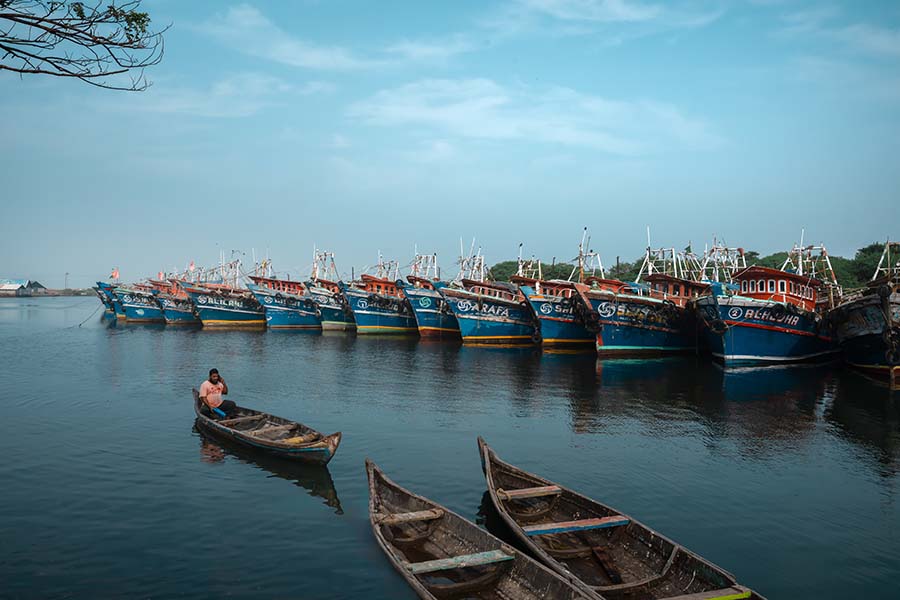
594	10
483	109
430	50
240	95
248	30
614	20
877	41
245	28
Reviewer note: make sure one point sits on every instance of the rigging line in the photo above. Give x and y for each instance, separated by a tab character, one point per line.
88	317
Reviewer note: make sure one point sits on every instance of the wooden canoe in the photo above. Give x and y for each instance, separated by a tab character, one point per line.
268	433
442	555
606	551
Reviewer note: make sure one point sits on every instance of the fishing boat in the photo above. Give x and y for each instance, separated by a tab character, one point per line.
559	320
104	299
219	302
326	293
610	553
268	433
287	303
434	318
490	312
647	317
139	304
177	307
867	322
442	555
173	301
378	304
107	290
769	315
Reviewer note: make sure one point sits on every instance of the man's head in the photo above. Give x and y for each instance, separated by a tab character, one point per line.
214	375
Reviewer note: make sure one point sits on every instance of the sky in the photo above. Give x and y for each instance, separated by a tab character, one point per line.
359	127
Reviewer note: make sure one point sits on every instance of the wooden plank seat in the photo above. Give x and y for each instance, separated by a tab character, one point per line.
533	492
580	525
735	592
458	562
421	515
272	429
235	421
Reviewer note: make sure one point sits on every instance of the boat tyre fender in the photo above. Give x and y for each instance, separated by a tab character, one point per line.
777	311
884	291
718	326
892	356
887	337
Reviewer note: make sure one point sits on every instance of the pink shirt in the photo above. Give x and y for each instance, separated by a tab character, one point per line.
212	392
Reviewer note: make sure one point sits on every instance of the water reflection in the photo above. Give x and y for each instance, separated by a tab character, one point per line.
316	479
868	415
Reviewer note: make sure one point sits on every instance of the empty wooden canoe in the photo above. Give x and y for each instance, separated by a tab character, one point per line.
442	555
608	552
268	433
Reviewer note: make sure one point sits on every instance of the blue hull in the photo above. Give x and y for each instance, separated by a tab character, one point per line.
433	317
107	290
867	340
375	313
741	331
491	321
334	315
558	324
632	327
139	308
178	311
217	310
287	311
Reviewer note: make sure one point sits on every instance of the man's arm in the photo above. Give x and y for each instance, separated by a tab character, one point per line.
224	387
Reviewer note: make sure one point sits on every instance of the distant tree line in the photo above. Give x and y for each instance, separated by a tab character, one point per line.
850	272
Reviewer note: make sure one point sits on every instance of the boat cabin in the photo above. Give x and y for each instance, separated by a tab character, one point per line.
600	284
493	289
558	288
377	285
297	288
675	289
764	283
420	282
331	286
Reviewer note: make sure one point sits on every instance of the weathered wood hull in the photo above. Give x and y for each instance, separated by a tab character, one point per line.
604	551
442	555
250	433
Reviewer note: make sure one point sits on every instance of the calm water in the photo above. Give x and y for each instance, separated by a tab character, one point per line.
787	477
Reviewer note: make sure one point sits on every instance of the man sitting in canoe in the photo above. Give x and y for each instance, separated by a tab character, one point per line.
211	392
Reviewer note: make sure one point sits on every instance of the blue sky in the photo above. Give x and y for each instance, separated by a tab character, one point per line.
361	126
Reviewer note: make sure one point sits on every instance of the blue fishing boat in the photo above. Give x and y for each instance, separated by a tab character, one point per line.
559	316
867	323
286	303
377	303
326	293
766	316
107	290
642	318
219	305
491	312
139	304
434	318
104	299
177	309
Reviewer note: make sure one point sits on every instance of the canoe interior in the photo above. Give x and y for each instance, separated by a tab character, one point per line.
268	432
627	561
450	536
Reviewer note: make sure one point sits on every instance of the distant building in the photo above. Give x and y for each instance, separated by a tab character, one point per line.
20	287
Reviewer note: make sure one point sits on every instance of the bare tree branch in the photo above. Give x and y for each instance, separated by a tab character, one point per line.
71	39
